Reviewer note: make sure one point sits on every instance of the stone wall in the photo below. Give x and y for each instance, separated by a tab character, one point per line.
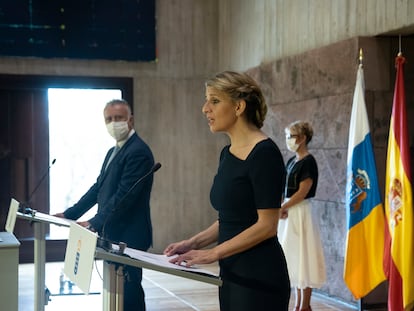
318	86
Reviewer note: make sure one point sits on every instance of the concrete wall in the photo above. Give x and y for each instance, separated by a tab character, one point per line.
196	38
252	32
168	96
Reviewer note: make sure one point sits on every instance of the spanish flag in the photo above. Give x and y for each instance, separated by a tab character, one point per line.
363	266
399	235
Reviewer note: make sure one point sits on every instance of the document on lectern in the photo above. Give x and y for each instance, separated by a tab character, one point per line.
79	257
164	261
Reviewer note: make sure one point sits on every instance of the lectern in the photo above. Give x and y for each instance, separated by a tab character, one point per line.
114	278
9	271
81	251
114	261
41	222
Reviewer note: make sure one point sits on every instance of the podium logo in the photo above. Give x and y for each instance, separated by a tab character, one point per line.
75	268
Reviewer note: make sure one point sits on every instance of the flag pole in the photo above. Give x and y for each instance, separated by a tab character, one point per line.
399	45
399	250
363	262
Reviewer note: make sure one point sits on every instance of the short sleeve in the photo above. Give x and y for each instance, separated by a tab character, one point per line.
268	176
309	169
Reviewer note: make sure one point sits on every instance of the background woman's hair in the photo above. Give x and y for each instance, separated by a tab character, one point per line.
302	128
242	86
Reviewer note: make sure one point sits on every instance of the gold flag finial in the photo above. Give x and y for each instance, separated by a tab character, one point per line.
361	56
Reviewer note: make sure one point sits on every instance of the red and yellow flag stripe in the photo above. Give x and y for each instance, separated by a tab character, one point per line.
399	248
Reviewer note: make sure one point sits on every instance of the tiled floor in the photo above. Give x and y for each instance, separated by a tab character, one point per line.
163	292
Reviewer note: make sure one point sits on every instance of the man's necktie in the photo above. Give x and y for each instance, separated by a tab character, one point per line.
114	152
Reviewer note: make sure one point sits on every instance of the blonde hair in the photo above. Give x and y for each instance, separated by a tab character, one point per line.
242	86
301	128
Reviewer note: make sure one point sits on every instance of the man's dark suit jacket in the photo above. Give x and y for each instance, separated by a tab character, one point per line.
123	214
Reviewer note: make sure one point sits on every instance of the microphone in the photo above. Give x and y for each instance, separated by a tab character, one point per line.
102	241
153	169
25	207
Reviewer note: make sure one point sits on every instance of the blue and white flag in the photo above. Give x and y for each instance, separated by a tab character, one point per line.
363	266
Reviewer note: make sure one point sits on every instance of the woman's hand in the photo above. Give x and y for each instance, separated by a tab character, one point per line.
283	213
193	257
187	250
178	248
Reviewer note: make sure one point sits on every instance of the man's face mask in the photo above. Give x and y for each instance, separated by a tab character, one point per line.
118	129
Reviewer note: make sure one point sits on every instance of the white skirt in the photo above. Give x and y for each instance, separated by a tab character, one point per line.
299	236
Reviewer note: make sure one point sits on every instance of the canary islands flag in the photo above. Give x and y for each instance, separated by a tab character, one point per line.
399	254
363	266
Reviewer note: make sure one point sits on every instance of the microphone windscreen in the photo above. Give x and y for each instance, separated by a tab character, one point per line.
157	166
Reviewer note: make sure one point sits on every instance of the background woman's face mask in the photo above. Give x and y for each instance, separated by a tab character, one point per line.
118	129
291	144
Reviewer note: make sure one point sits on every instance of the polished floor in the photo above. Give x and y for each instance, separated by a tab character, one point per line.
163	292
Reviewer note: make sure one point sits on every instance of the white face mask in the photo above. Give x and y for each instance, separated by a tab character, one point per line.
118	130
291	144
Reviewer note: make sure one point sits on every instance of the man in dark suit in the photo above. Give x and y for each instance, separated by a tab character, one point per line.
123	210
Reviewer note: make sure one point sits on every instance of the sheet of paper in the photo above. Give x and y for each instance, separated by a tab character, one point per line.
163	260
11	216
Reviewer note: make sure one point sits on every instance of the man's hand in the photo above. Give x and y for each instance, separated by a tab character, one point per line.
84	224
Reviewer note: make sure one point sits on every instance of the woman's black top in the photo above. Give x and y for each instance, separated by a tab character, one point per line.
256	279
298	171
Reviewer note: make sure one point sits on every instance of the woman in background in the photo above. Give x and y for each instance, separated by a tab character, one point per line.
298	232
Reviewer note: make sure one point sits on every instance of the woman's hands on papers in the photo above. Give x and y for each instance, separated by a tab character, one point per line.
193	251
186	256
178	248
190	258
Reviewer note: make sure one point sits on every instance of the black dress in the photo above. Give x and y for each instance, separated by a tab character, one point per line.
256	279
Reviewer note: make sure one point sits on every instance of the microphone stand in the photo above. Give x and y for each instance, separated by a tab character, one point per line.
105	243
24	207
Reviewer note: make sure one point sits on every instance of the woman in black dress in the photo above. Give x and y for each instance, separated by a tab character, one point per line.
247	193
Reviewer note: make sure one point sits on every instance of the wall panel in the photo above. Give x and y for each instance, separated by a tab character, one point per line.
294	26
